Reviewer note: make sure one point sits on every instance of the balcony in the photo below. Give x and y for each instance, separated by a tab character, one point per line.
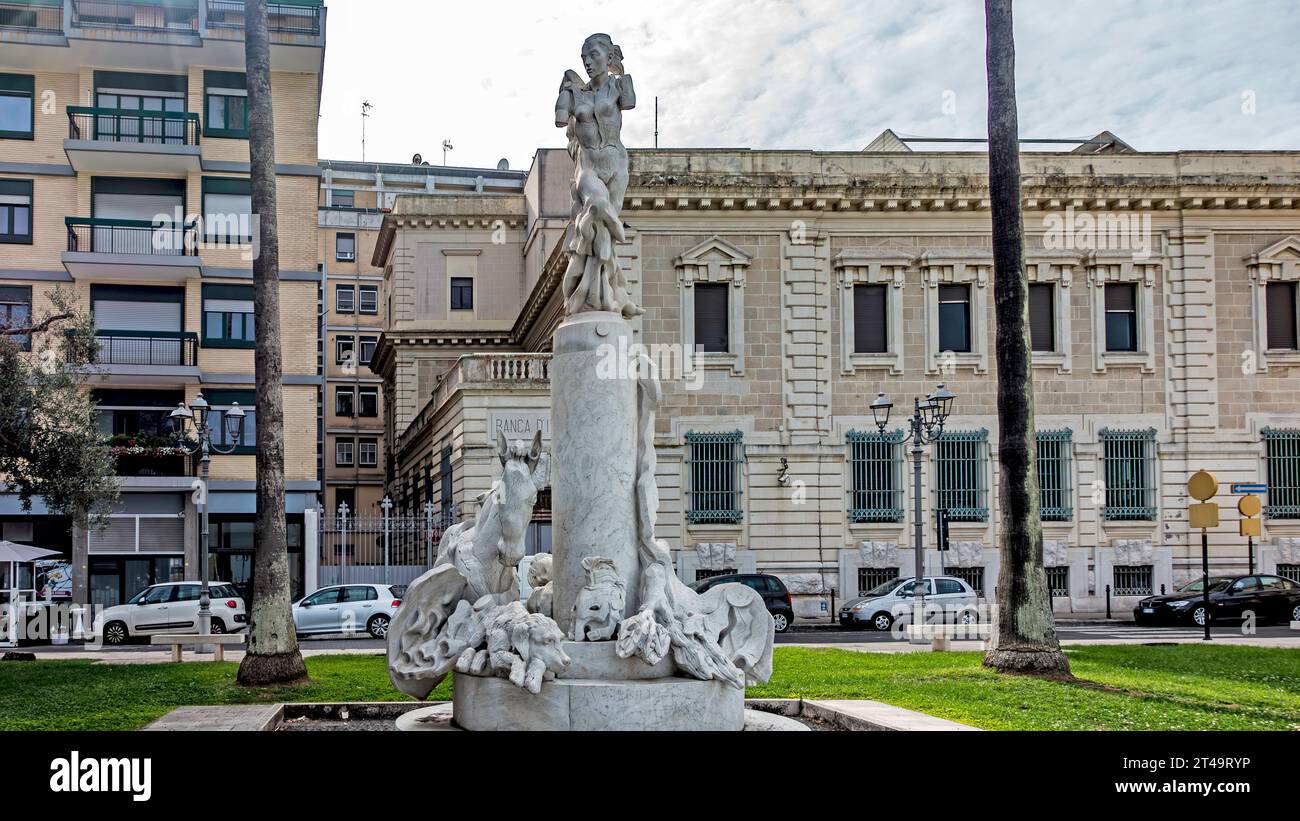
130	141
131	249
286	21
31	17
141	456
162	16
148	357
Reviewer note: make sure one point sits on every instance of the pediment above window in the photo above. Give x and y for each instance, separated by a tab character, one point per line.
956	265
872	265
714	260
1279	261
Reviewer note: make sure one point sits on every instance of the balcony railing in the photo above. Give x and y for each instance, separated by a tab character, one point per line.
116	236
175	348
281	18
137	16
121	125
43	18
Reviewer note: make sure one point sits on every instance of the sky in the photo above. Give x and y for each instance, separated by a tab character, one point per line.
816	74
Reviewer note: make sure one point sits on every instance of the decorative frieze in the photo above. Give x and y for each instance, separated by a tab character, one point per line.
878	554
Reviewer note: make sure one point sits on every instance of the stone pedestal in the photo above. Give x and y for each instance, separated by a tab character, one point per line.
593	437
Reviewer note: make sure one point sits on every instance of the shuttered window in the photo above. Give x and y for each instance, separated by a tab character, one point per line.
1281	316
1121	316
1042	317
16	212
954	318
228	319
870	321
712	332
16	311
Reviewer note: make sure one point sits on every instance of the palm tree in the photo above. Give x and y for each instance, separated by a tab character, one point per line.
273	655
1025	637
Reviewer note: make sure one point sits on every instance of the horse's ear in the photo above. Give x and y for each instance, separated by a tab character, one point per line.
536	449
503	448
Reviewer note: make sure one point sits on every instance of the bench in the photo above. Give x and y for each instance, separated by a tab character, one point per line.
179	640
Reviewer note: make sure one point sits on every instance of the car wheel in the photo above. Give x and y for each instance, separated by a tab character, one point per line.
781	622
115	632
217	628
1295	613
378	627
882	621
1200	615
968	617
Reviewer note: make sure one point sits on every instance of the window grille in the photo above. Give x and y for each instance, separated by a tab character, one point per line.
715	463
1133	580
961	486
1282	456
1129	463
1055	480
876	476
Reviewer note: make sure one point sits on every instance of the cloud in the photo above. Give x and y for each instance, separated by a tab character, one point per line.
819	74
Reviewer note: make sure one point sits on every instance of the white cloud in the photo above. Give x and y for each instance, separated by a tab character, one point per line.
819	74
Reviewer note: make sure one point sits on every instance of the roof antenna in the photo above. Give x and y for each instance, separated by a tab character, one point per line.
446	146
656	121
365	112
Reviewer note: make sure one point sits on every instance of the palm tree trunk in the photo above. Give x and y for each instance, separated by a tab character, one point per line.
272	655
1025	636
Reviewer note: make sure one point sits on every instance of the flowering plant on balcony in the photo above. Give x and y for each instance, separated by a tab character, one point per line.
145	445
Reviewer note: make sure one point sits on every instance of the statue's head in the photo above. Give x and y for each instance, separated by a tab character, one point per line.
601	56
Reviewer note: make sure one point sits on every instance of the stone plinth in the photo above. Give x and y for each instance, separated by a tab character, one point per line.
673	704
593	436
599	660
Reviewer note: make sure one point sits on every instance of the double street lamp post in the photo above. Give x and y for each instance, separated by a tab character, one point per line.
925	426
194	421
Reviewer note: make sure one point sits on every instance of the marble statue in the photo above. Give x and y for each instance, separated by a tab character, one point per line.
541	593
599	607
591	113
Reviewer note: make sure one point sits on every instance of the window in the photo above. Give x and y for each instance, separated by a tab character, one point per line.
228	319
368	453
345	349
227	210
1289	571
220	402
1281	316
225	95
345	299
954	318
960	486
343	199
876	479
1128	459
16	211
870	322
948	587
462	293
974	576
447	499
715	463
1058	581
17	107
343	452
869	578
368	402
351	594
1121	316
368	344
1042	317
712	317
346	496
369	299
1055	483
1282	460
345	247
330	596
343	399
16	311
1133	580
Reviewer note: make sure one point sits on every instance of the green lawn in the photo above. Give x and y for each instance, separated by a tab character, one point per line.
1185	687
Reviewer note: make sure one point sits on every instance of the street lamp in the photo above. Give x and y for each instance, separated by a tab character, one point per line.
194	419
925	426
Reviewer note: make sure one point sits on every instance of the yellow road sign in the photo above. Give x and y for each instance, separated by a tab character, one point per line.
1204	515
1249	505
1202	486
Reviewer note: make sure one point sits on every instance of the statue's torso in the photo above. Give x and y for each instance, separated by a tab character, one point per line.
599	120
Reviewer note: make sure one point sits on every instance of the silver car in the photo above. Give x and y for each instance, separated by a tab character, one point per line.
884	603
348	609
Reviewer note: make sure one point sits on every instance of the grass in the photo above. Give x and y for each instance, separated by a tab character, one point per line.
1130	687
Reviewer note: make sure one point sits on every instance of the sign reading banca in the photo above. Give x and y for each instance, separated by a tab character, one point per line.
519	424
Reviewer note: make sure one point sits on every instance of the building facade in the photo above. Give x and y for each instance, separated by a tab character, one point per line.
792	287
124	180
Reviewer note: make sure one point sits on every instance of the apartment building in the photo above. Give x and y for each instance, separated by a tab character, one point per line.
1163	319
124	178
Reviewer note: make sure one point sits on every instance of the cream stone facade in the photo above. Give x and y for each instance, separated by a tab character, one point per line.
1155	360
132	119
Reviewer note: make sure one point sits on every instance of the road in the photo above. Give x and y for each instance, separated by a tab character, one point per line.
801	634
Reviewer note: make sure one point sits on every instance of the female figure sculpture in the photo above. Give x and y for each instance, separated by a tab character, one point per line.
592	114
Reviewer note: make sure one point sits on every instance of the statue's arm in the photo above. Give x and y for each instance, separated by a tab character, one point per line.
626	93
564	101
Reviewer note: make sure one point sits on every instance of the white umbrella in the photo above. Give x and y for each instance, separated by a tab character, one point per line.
14	552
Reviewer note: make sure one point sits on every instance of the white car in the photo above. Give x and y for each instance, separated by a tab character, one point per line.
892	600
349	609
172	608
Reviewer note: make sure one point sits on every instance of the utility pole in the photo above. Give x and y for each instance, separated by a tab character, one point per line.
656	121
365	113
446	146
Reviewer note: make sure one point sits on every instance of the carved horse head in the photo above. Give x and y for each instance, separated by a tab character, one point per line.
524	471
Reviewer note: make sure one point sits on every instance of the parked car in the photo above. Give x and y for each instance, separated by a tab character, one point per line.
772	589
347	608
173	608
885	602
1268	597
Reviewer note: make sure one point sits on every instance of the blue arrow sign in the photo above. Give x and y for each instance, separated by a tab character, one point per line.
1250	488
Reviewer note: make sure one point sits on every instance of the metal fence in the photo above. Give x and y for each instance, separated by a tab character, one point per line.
27	16
974	576
280	17
124	125
876	475
1133	580
1289	571
139	15
1055	479
384	549
1129	462
1282	454
1058	581
146	348
114	236
715	465
961	486
869	578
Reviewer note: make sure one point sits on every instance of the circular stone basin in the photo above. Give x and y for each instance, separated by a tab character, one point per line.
438	717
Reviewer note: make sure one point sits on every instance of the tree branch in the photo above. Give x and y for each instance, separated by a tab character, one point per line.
40	327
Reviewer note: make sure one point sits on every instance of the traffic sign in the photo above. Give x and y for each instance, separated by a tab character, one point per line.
1250	488
1202	486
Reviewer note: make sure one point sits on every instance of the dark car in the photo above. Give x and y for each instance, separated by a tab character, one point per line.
773	591
1269	598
